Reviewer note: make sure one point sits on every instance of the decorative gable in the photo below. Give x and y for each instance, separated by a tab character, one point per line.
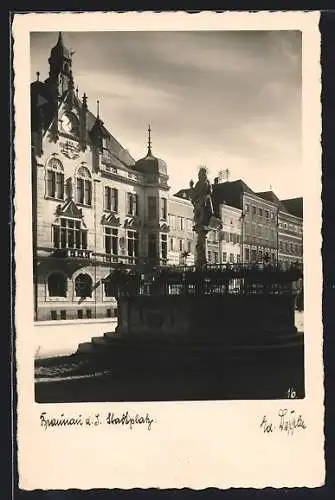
132	222
164	227
110	220
69	209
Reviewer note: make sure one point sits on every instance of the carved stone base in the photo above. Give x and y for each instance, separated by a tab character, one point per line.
226	320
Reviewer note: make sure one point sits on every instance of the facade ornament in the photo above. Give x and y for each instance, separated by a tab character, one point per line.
70	150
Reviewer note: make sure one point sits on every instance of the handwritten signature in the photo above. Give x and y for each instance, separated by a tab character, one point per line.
287	421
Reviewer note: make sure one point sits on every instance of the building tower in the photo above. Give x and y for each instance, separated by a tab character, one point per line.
60	68
154	209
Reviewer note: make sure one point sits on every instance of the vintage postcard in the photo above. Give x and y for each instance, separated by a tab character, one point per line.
168	250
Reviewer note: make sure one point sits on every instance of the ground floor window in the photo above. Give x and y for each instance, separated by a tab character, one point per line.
83	286
57	285
109	289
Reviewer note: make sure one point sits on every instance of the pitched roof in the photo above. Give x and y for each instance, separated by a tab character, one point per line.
273	198
113	146
183	193
41	96
294	206
230	193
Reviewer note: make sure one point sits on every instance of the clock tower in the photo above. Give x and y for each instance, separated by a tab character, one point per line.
60	73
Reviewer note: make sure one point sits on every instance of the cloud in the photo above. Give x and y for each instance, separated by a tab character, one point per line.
217	97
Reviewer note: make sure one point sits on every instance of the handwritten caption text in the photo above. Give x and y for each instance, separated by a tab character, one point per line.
124	419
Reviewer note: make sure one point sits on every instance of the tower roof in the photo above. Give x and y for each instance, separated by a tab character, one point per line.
98	127
150	164
59	49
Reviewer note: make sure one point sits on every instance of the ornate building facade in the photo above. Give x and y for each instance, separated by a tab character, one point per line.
94	206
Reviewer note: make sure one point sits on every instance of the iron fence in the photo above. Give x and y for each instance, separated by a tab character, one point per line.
212	280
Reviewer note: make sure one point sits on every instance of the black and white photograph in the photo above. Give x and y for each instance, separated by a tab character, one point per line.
168	246
167	215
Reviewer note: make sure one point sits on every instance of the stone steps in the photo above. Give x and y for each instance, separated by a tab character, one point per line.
111	345
85	348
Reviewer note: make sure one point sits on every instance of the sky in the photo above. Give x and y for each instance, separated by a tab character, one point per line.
223	99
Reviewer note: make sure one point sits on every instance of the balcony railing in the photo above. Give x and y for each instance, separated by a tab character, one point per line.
77	253
108	258
131	261
98	257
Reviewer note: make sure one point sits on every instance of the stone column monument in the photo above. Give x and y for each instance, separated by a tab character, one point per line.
200	194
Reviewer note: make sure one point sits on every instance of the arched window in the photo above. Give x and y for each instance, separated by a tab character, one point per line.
57	285
84	186
55	179
83	286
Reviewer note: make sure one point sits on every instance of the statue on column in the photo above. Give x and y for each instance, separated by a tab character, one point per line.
203	211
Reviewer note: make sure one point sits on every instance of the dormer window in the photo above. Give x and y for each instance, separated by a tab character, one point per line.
104	143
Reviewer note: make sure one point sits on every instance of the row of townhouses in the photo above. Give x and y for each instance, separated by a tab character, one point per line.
94	207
